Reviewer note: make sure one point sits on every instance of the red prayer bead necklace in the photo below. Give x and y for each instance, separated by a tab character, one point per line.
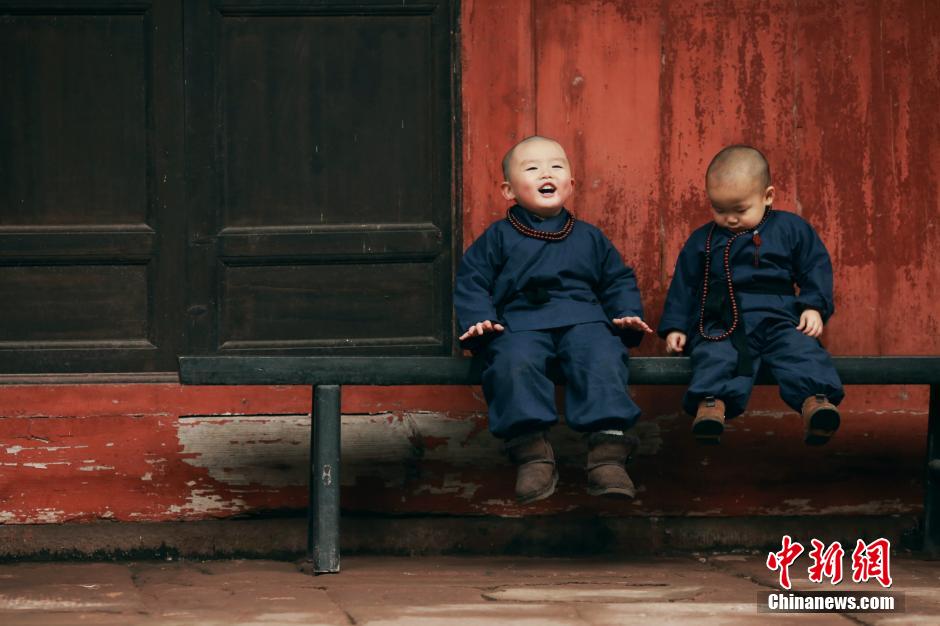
557	235
735	315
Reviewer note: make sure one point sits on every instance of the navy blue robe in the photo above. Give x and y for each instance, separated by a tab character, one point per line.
556	300
790	253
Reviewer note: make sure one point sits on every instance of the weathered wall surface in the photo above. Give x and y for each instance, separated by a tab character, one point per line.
162	452
842	97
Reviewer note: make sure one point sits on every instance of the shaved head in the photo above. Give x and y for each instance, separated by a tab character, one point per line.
737	162
508	158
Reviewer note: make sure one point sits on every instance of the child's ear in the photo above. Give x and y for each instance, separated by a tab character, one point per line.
506	189
769	196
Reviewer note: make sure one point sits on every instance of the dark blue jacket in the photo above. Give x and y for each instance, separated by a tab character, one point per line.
530	284
790	253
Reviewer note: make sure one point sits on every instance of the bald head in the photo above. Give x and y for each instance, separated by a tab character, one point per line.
738	187
508	158
736	163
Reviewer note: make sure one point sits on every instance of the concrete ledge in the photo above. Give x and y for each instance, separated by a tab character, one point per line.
285	538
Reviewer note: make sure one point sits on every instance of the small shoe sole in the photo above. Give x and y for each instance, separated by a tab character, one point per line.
822	426
708	431
613	492
540	495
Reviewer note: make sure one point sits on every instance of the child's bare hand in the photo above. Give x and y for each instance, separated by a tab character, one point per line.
633	323
675	342
811	323
481	328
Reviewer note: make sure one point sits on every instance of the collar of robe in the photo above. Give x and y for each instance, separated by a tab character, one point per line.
543	235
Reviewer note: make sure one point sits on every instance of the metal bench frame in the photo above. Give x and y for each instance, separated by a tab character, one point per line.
327	375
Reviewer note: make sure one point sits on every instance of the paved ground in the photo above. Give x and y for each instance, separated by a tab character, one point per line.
464	591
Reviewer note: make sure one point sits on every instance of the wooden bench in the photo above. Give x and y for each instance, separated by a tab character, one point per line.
327	375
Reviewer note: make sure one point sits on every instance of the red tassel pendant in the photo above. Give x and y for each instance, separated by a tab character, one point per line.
757	242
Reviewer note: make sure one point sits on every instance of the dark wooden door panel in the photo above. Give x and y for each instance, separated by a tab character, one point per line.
310	211
326	119
73	119
328	306
73	306
376	242
323	196
129	242
91	239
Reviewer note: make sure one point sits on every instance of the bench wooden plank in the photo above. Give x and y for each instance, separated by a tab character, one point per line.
327	375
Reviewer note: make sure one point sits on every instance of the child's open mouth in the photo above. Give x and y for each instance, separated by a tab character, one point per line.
547	189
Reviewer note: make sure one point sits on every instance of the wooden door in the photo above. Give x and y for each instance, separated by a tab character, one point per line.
201	176
91	232
320	176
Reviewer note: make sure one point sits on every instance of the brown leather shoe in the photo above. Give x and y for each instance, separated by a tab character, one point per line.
820	419
709	421
536	475
607	454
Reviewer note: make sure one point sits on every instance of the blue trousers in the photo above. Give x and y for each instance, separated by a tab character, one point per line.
521	397
799	363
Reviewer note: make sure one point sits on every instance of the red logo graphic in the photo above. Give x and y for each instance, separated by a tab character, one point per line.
827	563
872	560
869	561
783	559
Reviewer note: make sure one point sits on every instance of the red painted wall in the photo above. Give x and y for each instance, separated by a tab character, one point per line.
842	97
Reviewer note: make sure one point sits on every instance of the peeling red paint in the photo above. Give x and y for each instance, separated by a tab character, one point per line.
429	443
442	399
73	467
141	400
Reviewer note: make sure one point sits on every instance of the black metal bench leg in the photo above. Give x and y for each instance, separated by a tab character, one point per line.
323	509
932	499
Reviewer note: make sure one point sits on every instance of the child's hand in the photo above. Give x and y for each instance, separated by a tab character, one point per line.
811	323
481	328
633	323
675	342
